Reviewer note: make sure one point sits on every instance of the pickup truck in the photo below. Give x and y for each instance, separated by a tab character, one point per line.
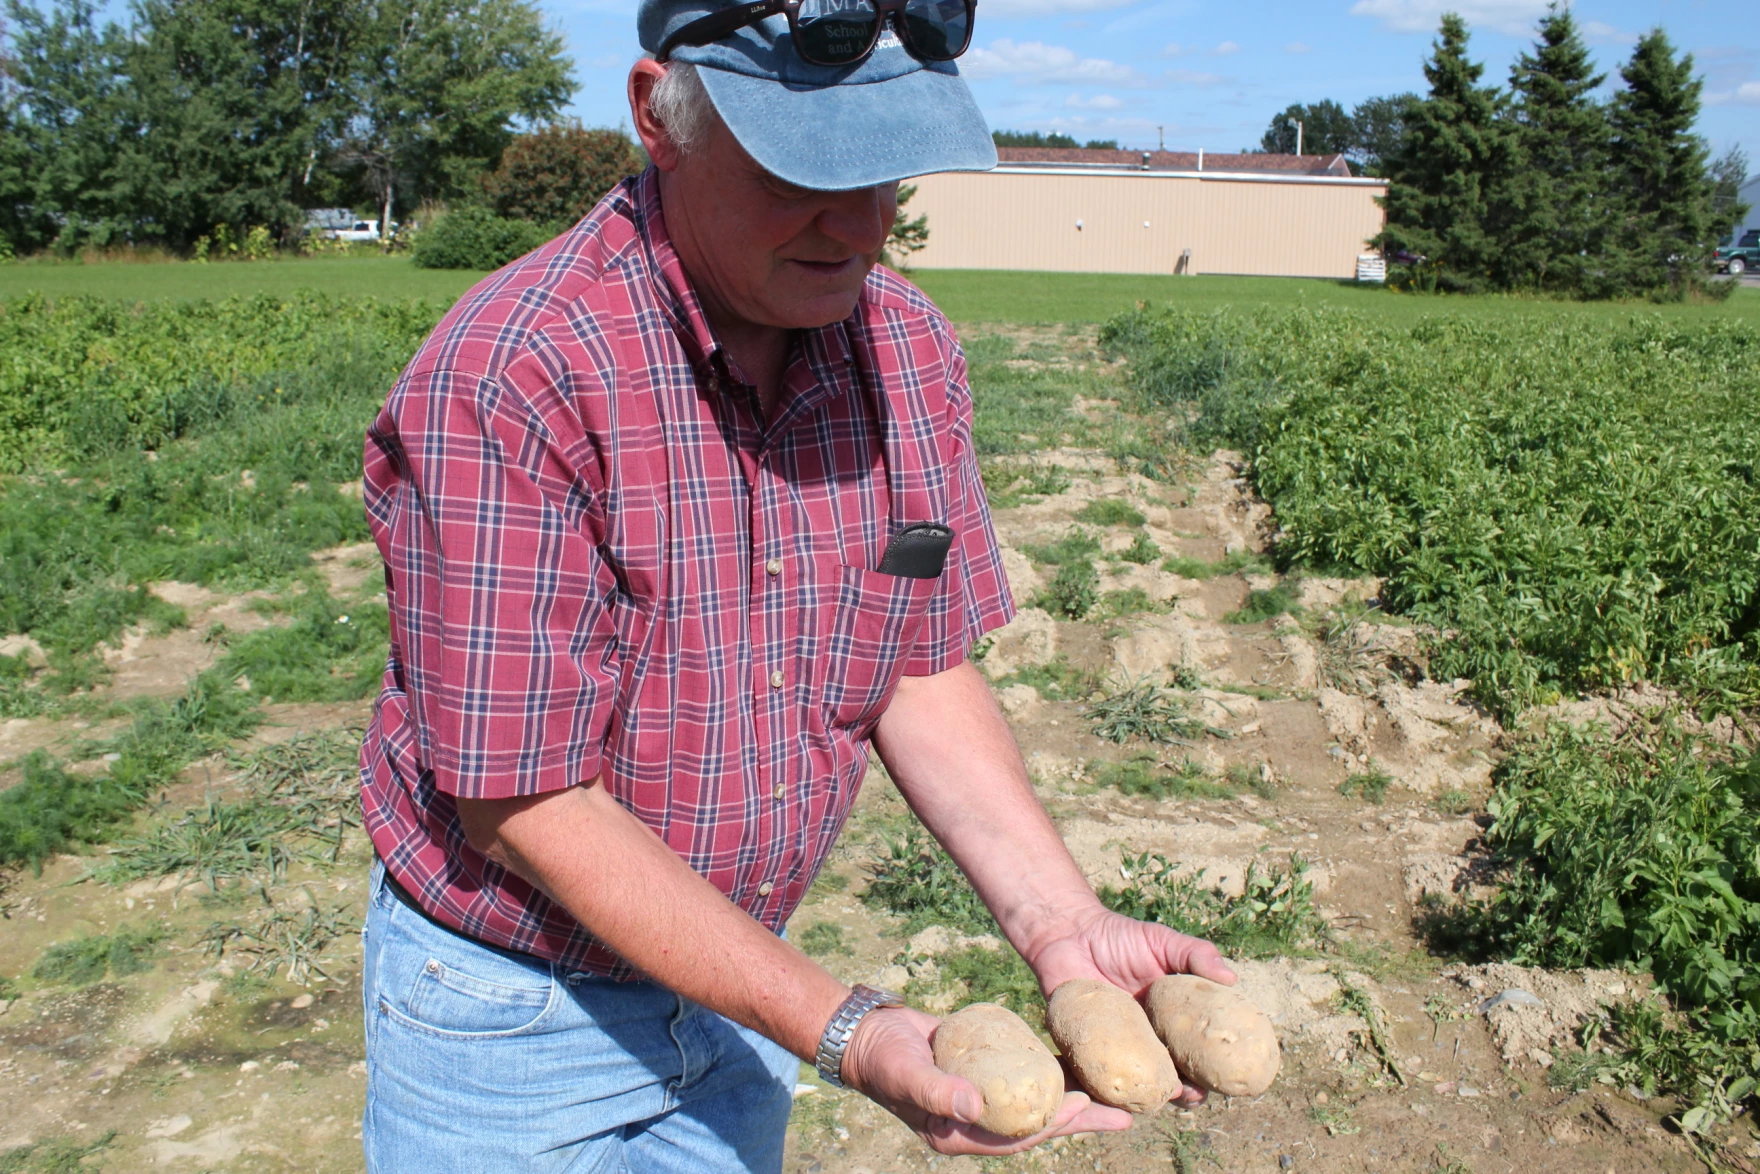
1740	256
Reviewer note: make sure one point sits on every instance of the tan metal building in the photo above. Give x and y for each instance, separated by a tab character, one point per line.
1151	212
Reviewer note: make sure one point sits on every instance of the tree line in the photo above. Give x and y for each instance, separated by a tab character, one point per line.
197	115
1544	186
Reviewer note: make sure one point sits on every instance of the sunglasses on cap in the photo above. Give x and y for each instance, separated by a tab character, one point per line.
844	32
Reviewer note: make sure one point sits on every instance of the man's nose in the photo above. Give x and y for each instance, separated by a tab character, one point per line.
859	220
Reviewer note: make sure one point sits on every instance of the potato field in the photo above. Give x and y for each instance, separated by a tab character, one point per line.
1414	658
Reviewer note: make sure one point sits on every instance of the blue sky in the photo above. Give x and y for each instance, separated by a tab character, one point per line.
1212	74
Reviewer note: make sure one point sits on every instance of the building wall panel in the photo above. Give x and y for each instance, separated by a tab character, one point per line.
1131	223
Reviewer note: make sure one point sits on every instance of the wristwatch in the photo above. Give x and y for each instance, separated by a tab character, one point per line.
862	1000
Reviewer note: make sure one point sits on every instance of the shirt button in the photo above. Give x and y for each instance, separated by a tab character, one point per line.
780	791
765	889
774	566
776	679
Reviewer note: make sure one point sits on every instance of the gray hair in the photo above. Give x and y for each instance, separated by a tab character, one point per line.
682	106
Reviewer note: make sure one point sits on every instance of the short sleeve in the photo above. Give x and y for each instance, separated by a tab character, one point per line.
500	598
972	596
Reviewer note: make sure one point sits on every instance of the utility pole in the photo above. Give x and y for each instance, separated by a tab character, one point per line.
1298	140
1161	136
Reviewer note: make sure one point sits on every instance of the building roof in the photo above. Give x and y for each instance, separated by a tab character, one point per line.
1082	157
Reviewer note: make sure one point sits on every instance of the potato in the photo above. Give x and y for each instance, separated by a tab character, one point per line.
1018	1077
1111	1046
1219	1039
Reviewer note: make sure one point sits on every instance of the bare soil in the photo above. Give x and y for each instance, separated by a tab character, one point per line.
197	1064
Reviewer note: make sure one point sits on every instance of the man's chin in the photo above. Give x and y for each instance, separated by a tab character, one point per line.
809	309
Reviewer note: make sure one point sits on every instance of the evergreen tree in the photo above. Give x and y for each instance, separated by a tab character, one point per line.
1454	153
1553	207
1668	223
1326	130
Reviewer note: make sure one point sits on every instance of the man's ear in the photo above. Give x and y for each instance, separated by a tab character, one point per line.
644	75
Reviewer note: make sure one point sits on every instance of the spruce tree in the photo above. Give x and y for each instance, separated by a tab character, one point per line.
1454	153
1668	224
1552	209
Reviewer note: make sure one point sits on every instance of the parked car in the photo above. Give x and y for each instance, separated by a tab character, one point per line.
360	230
1737	258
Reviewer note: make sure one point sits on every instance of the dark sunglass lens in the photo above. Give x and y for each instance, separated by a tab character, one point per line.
938	29
835	32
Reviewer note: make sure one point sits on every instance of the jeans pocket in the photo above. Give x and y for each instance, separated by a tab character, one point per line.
468	991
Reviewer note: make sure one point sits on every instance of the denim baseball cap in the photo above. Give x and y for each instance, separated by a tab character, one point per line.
828	128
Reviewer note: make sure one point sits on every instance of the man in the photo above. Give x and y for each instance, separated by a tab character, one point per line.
680	513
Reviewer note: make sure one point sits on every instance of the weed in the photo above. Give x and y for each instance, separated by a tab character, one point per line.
1335	1119
315	776
1125	602
1076	546
1274	913
1439	1011
219	841
1142	550
1072	592
1240	562
50	811
57	1155
1355	1000
1149	777
1454	801
989	974
1057	680
1281	599
1009	485
285	939
87	960
1148	710
1371	783
330	652
919	882
1346	655
827	882
823	938
1111	511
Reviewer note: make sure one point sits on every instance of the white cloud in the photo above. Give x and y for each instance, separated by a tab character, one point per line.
1746	94
1515	17
1034	62
1193	77
1174	49
1297	47
1006	9
1226	49
1097	102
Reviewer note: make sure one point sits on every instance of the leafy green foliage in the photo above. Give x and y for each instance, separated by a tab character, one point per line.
555	174
52	810
1057	680
1267	603
476	238
1141	551
1146	775
1578	509
1371	783
1240	562
1274	914
1076	546
1326	130
330	652
823	938
918	881
1111	511
1073	591
989	974
89	959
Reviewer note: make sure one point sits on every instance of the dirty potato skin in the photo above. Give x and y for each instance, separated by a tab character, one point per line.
1018	1077
1111	1046
1219	1039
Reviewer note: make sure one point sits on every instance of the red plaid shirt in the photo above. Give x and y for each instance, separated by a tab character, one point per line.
603	563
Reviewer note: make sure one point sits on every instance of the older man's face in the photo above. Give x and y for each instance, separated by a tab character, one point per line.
764	251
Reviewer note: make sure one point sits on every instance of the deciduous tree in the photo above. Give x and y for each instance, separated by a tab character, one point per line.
555	174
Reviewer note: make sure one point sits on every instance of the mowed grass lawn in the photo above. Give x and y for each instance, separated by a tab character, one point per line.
966	295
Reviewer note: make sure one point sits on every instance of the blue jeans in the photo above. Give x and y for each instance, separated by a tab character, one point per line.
481	1061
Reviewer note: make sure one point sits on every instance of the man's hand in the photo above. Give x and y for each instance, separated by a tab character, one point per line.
1126	953
891	1061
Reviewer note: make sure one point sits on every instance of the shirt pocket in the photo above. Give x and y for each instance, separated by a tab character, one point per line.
874	626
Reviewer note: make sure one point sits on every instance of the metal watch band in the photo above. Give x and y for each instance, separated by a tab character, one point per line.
862	1000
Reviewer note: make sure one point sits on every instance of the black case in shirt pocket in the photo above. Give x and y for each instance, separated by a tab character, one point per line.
918	551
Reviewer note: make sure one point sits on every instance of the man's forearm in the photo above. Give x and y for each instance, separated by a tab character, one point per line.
945	743
632	892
